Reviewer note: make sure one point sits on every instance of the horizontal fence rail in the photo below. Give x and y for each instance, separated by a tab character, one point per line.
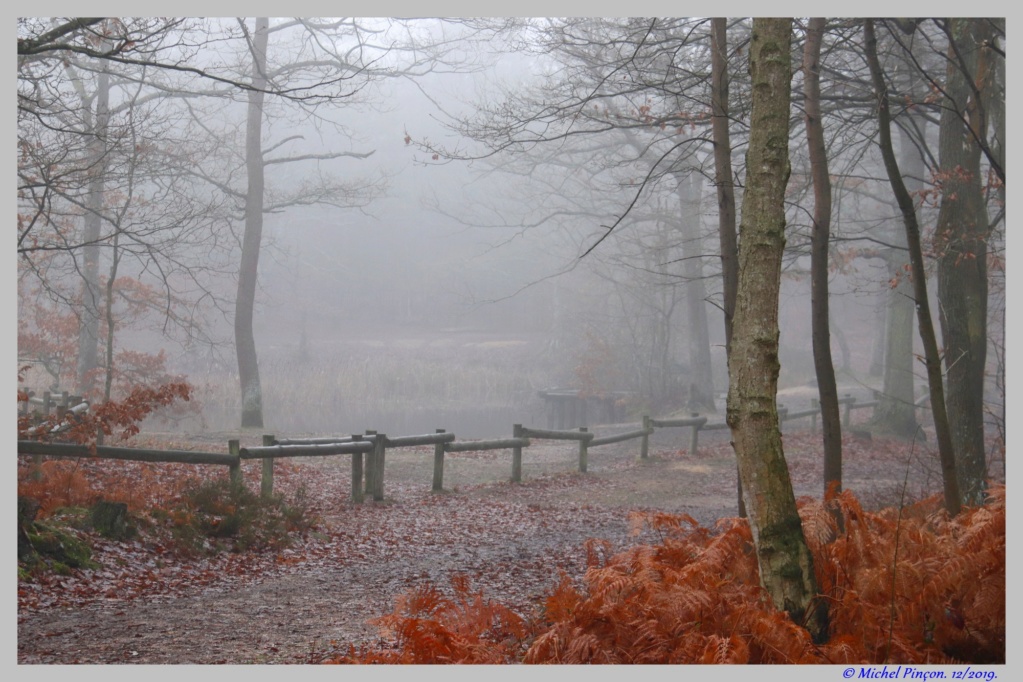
556	435
475	445
628	435
323	449
428	439
368	450
313	441
685	421
31	447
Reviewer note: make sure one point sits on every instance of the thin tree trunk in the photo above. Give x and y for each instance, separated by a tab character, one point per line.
723	171
108	382
725	189
115	259
701	376
931	358
961	238
831	420
896	411
786	565
876	368
88	330
245	342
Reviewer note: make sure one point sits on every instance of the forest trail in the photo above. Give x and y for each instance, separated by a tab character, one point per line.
312	601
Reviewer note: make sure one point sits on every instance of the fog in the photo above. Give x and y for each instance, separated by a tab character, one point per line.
456	279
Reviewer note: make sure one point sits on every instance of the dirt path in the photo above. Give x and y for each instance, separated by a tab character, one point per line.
511	540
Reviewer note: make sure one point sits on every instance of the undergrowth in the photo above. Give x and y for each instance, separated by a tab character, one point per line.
197	515
215	515
909	586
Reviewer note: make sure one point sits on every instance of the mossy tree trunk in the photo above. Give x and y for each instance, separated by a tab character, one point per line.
961	239
786	565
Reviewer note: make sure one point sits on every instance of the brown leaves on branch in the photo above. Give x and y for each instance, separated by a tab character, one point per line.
116	417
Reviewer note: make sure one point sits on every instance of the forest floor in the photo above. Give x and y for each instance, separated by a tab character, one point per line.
311	601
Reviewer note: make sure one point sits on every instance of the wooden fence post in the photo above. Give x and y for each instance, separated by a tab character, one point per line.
438	465
378	466
848	410
694	435
815	404
369	470
266	486
37	460
235	470
644	443
357	491
517	455
583	451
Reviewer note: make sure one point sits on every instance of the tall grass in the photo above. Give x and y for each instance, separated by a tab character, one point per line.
471	390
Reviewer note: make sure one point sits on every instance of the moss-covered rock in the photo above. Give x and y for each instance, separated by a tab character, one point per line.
111	520
53	543
61	545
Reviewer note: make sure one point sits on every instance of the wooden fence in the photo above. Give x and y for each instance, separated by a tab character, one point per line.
368	450
59	404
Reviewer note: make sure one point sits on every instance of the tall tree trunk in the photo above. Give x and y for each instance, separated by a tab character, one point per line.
961	239
725	189
994	97
876	368
723	180
831	421
786	565
930	343
245	342
108	301
92	294
896	410
108	298
701	375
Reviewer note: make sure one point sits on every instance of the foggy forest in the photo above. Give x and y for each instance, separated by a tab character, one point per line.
512	340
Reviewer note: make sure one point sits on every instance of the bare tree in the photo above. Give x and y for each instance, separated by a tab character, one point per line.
95	145
332	61
622	110
932	360
821	320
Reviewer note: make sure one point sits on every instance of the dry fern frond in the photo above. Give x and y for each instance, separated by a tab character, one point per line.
725	650
901	587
